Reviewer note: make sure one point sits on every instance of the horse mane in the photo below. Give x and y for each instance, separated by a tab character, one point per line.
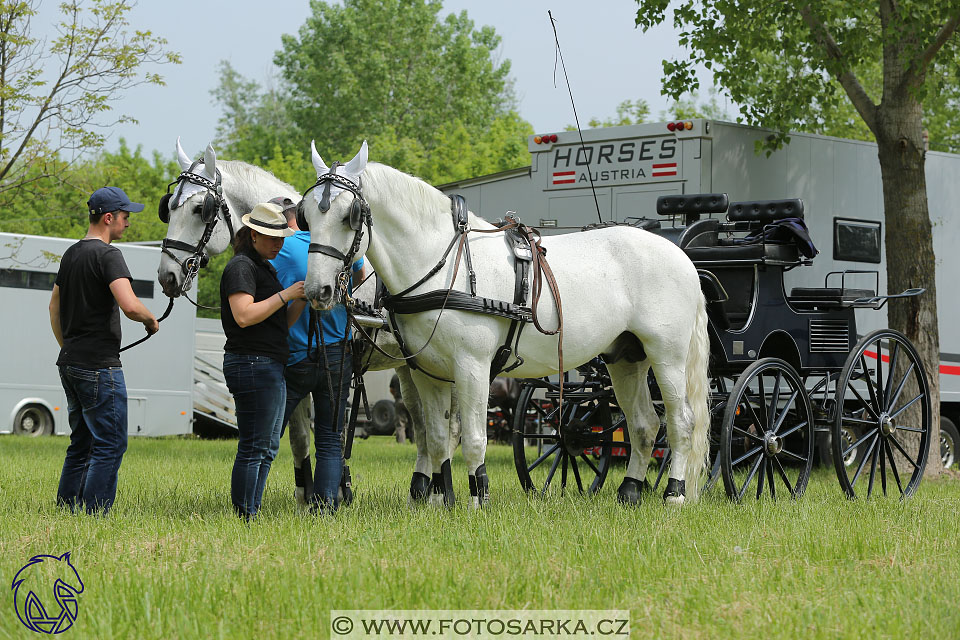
419	200
247	173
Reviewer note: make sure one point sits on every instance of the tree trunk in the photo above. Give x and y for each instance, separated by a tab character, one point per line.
909	249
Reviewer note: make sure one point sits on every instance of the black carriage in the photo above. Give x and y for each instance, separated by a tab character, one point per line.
788	372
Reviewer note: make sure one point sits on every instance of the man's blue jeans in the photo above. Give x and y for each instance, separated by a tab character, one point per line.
97	408
256	383
305	377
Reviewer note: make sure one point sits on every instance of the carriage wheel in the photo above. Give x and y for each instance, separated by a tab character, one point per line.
574	448
766	442
884	403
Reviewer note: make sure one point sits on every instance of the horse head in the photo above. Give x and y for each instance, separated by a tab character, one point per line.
192	207
335	212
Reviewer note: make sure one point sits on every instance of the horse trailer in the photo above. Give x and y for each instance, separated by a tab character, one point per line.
839	181
159	372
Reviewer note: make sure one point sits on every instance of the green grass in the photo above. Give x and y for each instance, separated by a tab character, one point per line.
172	561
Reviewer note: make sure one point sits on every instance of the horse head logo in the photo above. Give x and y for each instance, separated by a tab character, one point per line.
47	575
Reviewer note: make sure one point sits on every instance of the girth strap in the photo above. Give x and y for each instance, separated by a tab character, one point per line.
460	301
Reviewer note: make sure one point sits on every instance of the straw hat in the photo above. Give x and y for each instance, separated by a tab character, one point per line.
268	219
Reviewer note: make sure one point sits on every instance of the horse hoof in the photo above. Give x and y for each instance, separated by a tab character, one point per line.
419	488
675	492
298	495
631	491
479	487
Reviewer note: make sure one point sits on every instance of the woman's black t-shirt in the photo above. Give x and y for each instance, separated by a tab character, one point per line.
247	272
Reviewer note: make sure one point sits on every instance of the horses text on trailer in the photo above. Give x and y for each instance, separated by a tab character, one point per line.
838	180
158	372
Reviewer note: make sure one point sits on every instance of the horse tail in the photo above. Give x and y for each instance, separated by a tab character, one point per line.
698	357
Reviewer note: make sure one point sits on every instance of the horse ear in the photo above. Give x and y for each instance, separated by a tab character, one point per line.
210	162
318	162
182	157
356	166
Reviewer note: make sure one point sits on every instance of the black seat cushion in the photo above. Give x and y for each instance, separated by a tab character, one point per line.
787	253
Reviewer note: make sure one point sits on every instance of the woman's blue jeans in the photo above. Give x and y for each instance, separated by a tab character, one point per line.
97	409
305	377
259	393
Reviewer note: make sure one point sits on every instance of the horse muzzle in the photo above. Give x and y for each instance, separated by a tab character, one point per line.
321	297
170	284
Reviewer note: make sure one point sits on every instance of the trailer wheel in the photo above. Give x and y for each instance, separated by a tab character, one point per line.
949	441
33	420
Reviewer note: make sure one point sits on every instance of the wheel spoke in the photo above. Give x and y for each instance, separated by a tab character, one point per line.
576	473
791	454
905	407
793	429
783	416
856	444
553	470
870	381
545	455
748	454
541	436
896	394
783	475
774	400
769	465
663	468
868	423
763	402
893	466
863	462
563	471
890	372
911	429
896	443
763	473
746	483
590	464
866	406
873	467
882	452
879	390
752	436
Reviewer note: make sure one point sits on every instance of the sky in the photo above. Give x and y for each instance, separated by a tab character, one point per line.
608	60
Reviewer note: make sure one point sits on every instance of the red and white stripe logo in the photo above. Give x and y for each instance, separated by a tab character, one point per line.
667	169
565	177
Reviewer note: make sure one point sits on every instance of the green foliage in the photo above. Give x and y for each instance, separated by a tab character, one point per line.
784	63
55	96
427	94
628	112
691	106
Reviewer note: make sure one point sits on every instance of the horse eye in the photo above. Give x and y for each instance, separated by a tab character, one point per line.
198	209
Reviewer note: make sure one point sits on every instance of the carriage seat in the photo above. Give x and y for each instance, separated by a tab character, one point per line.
727	251
807	299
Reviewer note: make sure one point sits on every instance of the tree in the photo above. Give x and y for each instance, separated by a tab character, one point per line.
55	97
781	63
392	70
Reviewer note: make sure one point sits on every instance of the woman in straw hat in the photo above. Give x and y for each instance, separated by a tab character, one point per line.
256	313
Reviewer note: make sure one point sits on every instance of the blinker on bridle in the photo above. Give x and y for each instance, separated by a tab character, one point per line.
213	203
358	216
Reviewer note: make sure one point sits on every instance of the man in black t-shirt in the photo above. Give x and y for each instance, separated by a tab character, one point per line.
92	286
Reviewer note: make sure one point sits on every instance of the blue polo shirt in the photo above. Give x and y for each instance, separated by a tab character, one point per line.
291	266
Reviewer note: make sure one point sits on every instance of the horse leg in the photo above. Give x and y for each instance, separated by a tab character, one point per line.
434	403
300	429
472	391
420	483
680	423
633	395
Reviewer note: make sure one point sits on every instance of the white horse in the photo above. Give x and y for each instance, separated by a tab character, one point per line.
244	185
627	295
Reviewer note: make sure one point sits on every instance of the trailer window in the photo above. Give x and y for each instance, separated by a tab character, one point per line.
43	281
856	240
24	279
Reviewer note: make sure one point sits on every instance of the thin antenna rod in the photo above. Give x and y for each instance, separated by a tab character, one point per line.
583	146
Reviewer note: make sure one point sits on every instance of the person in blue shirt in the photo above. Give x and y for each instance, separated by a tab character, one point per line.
323	365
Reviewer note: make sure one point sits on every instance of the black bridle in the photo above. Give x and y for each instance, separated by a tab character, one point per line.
214	207
358	216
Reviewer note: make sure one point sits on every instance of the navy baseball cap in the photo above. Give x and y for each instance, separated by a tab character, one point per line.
107	199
